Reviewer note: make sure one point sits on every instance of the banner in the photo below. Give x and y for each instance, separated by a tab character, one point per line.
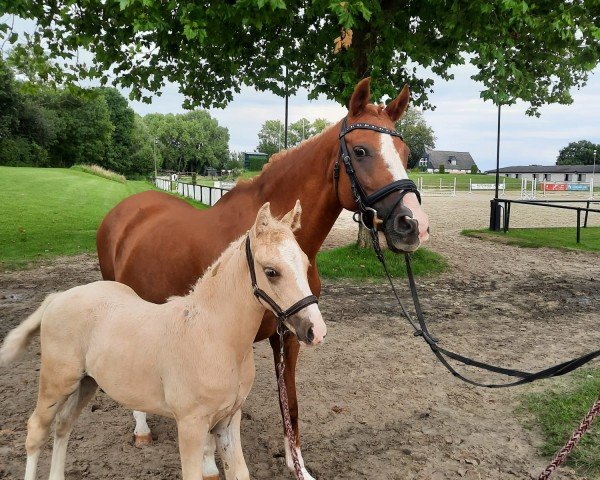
486	186
564	187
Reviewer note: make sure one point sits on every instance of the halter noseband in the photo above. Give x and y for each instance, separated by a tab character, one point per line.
363	201
282	315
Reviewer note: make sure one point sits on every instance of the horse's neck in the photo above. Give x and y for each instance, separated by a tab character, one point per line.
305	173
225	300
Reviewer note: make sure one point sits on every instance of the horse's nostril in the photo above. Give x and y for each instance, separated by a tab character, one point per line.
310	335
405	225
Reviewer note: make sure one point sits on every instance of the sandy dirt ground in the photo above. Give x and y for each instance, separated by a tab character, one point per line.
375	404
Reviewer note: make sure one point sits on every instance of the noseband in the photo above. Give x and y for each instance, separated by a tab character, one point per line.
365	210
282	315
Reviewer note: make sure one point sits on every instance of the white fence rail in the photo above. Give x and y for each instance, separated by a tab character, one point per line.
200	193
440	190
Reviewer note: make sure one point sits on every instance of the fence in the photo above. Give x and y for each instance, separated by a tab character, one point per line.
200	193
529	188
436	190
487	186
551	204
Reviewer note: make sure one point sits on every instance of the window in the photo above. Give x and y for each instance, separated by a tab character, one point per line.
516	175
567	177
547	176
580	177
535	176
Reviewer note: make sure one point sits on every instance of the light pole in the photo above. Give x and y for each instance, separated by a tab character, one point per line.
594	172
154	152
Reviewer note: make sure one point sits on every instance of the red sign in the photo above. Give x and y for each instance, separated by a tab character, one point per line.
553	187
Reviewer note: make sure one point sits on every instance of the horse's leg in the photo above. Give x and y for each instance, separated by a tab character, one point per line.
227	433
191	432
65	420
142	433
292	347
50	400
209	466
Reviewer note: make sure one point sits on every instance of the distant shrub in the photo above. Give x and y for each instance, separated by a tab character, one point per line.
99	171
442	168
255	164
474	169
21	152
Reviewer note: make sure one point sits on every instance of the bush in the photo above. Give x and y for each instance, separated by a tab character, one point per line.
255	164
474	169
101	172
21	152
442	168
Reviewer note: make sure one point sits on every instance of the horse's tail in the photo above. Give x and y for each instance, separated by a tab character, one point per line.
18	338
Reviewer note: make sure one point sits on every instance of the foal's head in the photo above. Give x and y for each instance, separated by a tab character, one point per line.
379	159
281	270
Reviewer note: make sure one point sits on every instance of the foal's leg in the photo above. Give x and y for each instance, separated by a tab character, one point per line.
209	465
191	432
227	433
65	421
50	400
292	347
142	433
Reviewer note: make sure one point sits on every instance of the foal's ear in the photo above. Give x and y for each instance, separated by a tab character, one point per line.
292	218
397	107
361	97
263	217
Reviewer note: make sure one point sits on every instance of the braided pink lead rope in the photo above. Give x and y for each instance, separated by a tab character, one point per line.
287	422
574	440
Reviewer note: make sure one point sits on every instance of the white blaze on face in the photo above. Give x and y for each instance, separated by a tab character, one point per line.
394	164
295	258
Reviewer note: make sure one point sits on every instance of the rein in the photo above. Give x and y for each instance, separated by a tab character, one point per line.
282	316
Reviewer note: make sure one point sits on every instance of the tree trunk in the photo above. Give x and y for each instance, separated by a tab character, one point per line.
364	238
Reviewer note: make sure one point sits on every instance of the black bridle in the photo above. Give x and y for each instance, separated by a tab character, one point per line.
282	315
365	203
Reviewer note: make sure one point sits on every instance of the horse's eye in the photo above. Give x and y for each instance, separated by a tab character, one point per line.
271	272
360	152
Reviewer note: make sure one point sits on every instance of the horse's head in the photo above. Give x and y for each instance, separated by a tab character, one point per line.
379	158
281	268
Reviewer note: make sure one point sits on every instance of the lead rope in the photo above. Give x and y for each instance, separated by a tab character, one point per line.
573	441
285	409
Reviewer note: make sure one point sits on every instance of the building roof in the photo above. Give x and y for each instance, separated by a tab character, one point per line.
546	169
464	161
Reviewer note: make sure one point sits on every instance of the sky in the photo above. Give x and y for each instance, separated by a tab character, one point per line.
461	121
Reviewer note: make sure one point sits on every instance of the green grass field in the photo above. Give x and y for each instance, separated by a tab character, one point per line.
52	212
359	263
557	237
557	412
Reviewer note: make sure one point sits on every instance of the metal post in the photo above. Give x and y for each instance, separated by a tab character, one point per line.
495	205
155	170
285	138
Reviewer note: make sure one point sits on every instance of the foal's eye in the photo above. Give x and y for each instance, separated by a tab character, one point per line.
360	152
271	272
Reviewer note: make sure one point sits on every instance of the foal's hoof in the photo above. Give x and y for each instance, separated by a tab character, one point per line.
143	439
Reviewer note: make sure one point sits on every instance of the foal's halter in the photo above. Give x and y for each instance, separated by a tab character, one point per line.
282	315
365	203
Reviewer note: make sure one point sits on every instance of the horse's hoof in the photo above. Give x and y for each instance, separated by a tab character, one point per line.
143	439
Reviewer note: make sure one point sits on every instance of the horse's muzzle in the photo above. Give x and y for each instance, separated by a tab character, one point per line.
401	231
308	326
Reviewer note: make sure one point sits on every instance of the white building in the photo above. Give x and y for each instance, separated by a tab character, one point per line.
552	173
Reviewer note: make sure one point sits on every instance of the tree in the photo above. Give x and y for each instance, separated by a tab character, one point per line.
533	51
190	141
10	101
270	137
417	135
578	153
119	150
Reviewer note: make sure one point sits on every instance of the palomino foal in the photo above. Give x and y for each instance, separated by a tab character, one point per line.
190	358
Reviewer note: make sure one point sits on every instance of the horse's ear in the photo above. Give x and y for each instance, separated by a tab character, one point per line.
263	217
397	107
361	97
292	218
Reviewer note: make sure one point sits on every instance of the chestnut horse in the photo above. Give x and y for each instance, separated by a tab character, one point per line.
150	241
